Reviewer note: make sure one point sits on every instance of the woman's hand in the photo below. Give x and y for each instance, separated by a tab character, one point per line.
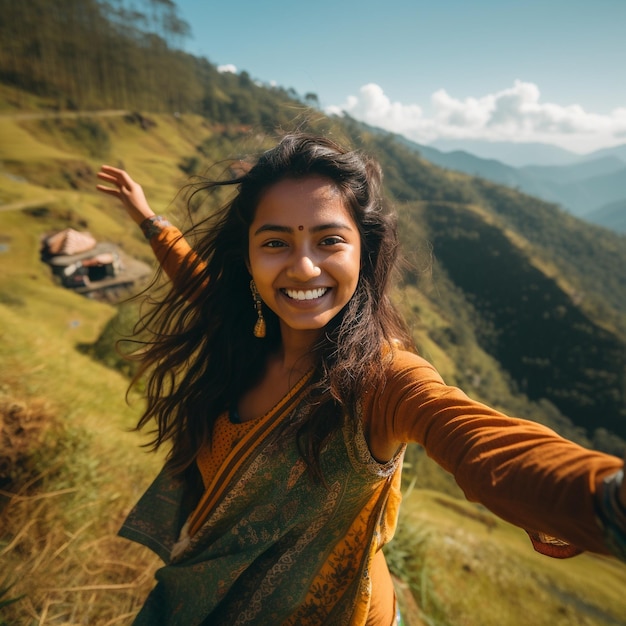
127	191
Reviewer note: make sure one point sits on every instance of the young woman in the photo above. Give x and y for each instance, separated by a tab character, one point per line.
287	386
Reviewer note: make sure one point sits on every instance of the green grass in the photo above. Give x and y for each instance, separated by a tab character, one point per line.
466	566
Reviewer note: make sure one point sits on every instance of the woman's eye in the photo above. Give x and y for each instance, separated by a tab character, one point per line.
331	241
274	244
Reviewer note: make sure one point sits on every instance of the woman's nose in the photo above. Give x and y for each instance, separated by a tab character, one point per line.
303	267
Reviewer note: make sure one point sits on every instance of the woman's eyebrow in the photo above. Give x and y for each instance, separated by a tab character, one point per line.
273	228
314	229
331	226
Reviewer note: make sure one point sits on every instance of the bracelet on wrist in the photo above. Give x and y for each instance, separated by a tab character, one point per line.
153	225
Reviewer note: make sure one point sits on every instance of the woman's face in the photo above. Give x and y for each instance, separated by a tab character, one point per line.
304	253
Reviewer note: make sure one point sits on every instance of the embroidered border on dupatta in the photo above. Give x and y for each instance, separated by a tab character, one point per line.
362	538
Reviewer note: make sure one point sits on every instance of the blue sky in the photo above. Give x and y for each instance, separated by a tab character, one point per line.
551	71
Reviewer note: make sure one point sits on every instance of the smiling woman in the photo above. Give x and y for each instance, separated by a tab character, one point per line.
305	274
288	387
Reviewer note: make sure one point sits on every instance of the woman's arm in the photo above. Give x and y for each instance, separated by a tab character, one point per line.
169	246
521	470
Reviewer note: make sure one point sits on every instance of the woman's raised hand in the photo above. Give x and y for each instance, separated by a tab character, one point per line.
129	192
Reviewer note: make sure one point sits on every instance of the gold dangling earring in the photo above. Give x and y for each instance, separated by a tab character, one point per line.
259	327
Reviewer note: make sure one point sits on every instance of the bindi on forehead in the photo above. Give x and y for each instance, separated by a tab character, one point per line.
300	227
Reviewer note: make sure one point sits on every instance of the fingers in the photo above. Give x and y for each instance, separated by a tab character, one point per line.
116	176
110	190
114	172
124	188
107	177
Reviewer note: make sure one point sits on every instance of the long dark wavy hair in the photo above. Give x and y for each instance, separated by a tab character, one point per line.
201	355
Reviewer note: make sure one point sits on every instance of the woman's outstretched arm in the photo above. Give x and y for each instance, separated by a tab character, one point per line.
521	470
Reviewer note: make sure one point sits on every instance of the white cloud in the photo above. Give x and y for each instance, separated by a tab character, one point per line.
513	114
229	67
373	106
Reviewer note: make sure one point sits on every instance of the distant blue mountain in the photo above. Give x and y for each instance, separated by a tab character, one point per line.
513	154
525	154
589	186
611	216
616	151
596	165
581	187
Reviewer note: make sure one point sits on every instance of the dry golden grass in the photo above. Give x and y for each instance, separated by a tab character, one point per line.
69	573
22	427
73	482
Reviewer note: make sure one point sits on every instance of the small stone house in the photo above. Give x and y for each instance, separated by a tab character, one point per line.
78	260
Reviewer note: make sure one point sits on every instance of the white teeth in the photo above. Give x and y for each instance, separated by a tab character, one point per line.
310	294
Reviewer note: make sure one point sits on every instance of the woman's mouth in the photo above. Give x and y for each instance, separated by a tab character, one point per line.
305	294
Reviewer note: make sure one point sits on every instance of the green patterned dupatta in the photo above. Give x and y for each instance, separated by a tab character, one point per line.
275	546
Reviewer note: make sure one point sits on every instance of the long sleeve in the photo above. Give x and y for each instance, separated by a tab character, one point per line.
173	252
520	470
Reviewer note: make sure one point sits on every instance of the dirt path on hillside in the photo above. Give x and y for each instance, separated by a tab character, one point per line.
37	115
27	204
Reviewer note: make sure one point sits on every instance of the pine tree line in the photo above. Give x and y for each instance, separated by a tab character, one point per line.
94	55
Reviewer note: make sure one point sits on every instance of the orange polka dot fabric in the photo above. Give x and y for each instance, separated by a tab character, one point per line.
226	435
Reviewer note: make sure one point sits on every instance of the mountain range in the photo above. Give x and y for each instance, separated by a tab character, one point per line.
592	187
521	154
